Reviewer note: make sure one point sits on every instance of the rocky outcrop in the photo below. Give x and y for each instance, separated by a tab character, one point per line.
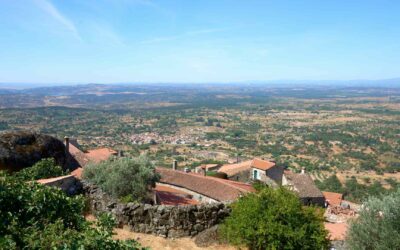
19	150
208	237
161	220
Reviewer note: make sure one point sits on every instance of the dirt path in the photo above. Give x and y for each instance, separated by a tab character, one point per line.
156	242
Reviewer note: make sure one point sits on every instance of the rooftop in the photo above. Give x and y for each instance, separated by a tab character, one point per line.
100	154
171	196
262	164
334	199
233	169
215	188
303	184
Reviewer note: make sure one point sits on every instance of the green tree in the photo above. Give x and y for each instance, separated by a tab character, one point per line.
331	184
274	219
35	216
378	226
45	168
122	177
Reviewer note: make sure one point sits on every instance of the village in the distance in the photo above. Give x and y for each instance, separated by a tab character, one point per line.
208	147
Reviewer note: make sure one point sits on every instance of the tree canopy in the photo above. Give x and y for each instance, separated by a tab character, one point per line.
123	177
378	226
34	216
274	219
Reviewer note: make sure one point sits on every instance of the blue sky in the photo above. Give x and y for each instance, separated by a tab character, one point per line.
79	41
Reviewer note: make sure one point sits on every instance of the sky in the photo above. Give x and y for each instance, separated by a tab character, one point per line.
112	41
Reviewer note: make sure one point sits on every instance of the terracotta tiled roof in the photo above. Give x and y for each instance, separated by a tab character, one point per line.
215	188
337	231
303	185
171	196
233	169
78	155
100	154
334	199
262	164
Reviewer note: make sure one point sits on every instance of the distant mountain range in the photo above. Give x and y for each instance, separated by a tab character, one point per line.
6	88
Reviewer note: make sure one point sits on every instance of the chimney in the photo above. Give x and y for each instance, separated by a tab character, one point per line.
303	170
174	165
66	140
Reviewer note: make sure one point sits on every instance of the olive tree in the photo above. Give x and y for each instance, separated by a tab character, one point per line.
123	177
378	226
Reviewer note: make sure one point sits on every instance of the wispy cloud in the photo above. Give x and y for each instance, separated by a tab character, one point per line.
106	33
183	35
53	12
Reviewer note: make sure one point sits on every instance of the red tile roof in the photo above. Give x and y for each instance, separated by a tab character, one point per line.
78	155
100	154
171	196
262	164
334	199
233	169
215	188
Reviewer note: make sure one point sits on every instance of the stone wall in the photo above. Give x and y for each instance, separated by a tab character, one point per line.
162	220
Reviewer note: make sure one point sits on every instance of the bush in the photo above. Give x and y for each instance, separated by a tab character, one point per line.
378	225
274	219
122	177
45	168
34	216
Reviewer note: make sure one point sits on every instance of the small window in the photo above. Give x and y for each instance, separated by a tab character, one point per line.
255	174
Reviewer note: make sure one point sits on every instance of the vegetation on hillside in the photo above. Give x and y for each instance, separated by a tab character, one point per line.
34	216
274	219
355	191
378	225
127	178
348	130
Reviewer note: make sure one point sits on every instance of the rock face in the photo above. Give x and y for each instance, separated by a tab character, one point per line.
161	220
208	237
19	150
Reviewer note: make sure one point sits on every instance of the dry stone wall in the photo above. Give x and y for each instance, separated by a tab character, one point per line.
162	220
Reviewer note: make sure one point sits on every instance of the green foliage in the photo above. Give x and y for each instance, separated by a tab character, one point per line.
274	219
331	184
353	190
378	225
34	216
45	168
121	177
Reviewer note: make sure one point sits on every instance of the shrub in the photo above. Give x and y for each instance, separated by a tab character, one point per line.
45	168
34	216
274	219
122	177
378	225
